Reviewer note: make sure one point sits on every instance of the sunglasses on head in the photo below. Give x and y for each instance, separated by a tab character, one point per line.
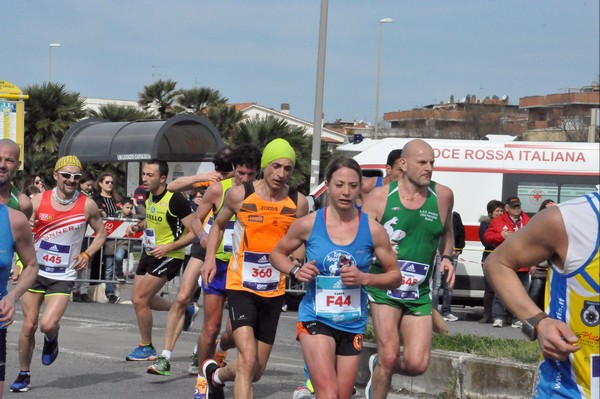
68	175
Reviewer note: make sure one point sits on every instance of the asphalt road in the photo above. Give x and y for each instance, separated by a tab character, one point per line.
95	338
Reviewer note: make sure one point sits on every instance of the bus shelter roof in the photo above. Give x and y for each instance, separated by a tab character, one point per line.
183	138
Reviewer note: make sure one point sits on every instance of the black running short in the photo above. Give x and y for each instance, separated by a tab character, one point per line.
165	267
260	313
197	251
346	343
47	286
2	354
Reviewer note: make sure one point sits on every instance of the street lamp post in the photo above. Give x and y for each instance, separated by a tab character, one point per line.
50	59
381	22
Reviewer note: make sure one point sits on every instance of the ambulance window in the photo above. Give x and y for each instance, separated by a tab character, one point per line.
570	191
532	194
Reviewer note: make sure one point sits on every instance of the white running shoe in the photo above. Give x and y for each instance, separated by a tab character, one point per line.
301	393
450	317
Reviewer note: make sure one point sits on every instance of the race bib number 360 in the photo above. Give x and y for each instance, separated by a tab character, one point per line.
257	272
336	301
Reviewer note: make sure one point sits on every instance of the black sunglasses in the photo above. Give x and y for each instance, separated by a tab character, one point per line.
68	175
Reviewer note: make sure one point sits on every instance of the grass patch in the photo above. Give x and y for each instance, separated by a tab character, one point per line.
497	348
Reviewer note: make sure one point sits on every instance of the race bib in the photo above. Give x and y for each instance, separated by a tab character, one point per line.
413	274
53	258
149	239
258	274
335	301
227	234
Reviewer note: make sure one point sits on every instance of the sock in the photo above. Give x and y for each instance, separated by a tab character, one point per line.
25	372
216	379
166	354
50	339
148	345
218	348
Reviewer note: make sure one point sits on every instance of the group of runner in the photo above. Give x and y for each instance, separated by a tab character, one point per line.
256	233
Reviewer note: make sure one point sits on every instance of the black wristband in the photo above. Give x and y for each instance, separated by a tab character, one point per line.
449	257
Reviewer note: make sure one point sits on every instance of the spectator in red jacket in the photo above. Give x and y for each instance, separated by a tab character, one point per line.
500	229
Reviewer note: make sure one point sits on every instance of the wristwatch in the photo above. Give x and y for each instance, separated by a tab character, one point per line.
294	270
530	325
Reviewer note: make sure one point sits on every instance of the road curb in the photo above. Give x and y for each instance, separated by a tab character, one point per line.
462	375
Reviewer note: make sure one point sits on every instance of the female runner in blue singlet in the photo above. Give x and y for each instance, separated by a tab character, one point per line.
340	243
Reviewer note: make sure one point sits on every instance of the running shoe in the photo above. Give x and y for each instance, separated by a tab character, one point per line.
450	317
372	364
193	368
214	391
50	351
308	384
498	323
142	353
301	393
190	315
22	383
161	366
201	390
517	324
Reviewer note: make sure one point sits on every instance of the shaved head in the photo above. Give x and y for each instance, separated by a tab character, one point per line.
417	162
9	160
415	147
11	144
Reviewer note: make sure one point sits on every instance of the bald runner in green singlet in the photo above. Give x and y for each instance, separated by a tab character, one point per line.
9	164
416	212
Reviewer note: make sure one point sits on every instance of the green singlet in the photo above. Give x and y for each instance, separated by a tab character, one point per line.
417	233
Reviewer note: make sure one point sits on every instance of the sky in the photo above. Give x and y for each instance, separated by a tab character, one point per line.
265	51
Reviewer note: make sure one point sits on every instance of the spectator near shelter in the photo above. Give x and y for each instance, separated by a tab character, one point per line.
502	227
439	280
494	208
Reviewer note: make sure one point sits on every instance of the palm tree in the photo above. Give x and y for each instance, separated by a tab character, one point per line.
226	119
119	113
51	111
198	99
160	95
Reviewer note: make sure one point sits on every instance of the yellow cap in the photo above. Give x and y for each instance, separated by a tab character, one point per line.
69	160
278	148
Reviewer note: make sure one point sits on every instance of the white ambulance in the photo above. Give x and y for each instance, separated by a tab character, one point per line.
479	171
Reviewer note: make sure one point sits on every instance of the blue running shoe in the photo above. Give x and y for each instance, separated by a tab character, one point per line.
22	383
141	353
372	364
190	315
50	351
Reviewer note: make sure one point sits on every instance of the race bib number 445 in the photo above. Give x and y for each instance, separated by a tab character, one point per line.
53	258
